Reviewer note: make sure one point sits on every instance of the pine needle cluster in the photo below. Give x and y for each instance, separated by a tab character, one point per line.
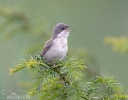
63	81
119	44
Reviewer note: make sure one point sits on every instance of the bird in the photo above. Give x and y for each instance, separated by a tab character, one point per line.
57	46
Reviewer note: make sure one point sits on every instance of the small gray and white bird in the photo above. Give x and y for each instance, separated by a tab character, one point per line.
57	46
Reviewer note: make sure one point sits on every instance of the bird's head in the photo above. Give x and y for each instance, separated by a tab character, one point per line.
61	28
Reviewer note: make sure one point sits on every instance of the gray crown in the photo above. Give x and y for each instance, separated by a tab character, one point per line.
59	28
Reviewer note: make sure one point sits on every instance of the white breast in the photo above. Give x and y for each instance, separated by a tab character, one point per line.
58	49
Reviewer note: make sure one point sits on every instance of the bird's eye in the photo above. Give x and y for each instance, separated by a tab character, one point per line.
62	28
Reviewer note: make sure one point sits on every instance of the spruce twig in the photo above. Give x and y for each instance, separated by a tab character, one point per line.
63	81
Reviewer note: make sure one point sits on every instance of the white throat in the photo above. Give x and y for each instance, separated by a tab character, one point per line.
64	33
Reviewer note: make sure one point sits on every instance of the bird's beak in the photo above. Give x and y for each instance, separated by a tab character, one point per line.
67	28
71	30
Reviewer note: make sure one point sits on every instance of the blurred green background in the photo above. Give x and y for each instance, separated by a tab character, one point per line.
26	24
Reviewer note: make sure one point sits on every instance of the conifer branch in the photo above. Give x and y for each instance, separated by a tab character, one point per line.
63	80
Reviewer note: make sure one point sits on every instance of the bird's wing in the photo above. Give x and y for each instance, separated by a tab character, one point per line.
47	46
